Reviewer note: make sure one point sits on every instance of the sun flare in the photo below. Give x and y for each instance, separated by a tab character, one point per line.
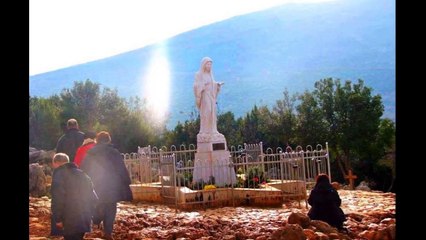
157	85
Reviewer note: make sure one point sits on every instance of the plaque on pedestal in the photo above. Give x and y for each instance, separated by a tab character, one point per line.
212	159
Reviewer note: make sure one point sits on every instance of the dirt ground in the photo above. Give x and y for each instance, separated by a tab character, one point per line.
370	215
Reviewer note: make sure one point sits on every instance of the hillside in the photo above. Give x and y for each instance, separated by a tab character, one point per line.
257	55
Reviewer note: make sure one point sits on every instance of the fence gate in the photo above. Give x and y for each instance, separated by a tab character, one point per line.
316	161
168	178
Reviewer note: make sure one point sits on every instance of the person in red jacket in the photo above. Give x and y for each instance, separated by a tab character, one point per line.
88	143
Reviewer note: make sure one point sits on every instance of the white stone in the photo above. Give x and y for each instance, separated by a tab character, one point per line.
216	164
206	90
212	158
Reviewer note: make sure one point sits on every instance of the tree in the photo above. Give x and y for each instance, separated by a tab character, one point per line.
184	133
82	103
126	121
250	126
227	125
112	110
352	116
386	147
44	122
311	126
284	120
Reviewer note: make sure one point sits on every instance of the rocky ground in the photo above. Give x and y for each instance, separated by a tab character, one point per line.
370	215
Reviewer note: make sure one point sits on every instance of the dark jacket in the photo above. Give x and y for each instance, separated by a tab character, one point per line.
105	166
73	199
325	202
69	142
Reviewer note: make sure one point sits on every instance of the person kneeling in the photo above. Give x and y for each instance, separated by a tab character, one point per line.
325	202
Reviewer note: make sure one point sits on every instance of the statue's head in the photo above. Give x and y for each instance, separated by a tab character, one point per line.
206	64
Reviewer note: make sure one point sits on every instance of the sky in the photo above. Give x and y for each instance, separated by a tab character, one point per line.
64	33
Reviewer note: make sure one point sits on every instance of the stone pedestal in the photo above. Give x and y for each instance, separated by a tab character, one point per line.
213	159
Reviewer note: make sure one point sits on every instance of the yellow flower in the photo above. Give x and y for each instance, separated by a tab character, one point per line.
208	187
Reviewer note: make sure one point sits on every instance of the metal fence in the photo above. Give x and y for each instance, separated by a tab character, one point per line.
292	171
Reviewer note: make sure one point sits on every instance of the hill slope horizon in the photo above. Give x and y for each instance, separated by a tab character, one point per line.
257	55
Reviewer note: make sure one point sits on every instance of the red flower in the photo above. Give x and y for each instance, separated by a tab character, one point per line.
256	179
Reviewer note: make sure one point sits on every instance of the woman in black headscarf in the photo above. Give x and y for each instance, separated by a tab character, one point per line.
325	202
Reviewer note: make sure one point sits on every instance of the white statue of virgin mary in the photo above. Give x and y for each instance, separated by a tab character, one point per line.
212	157
206	90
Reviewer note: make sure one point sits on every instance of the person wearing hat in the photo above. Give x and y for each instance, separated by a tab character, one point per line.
88	143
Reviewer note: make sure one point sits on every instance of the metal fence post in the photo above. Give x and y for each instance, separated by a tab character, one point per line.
328	161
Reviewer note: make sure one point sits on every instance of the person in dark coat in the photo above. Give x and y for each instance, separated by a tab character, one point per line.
105	166
73	198
325	202
71	140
